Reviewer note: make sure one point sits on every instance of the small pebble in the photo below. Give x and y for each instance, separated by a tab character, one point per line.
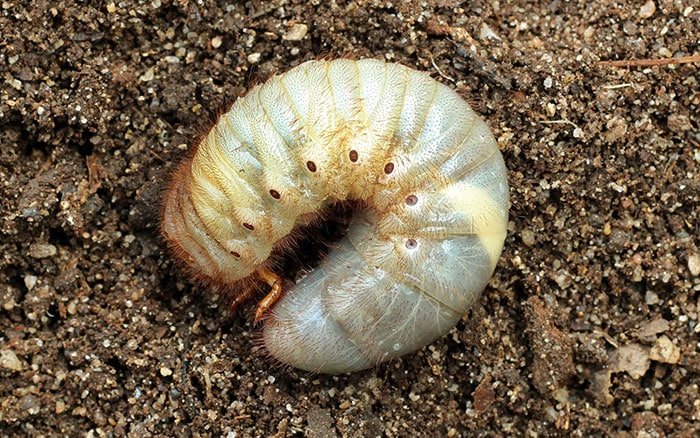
664	350
60	407
651	298
653	328
148	75
30	281
665	52
694	264
254	58
528	237
632	359
10	361
647	9
31	404
42	250
486	33
296	33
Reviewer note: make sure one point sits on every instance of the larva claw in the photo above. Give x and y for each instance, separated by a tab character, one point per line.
275	283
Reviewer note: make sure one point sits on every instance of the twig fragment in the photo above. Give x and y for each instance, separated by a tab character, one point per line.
649	62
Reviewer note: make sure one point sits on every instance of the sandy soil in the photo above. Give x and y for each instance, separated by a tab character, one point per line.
589	326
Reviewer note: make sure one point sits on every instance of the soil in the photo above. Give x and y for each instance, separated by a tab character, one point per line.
588	327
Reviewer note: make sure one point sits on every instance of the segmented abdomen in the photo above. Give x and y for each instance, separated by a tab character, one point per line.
424	163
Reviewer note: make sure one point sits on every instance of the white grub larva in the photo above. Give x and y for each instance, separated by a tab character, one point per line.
413	261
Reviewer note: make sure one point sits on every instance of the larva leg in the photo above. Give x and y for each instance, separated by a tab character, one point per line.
275	283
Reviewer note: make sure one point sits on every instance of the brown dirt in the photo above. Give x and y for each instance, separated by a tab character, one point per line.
590	324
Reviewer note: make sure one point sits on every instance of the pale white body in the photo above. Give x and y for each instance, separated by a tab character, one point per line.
412	263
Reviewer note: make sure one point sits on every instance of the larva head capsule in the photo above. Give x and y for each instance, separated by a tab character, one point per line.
413	261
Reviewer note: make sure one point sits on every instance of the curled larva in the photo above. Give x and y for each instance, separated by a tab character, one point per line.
413	261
